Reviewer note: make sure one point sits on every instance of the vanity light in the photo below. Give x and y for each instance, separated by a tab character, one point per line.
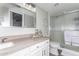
30	6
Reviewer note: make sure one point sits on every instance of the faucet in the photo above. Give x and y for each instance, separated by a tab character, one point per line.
3	40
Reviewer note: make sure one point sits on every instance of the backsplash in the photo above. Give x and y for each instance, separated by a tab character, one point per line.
9	31
14	37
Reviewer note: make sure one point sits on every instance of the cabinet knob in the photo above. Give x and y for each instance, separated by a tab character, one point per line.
42	53
37	46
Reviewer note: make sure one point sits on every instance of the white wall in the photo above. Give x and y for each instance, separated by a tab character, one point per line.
5	16
42	20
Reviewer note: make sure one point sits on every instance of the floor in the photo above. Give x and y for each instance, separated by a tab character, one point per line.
54	55
51	54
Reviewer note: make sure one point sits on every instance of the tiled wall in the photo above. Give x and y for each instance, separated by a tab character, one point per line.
42	20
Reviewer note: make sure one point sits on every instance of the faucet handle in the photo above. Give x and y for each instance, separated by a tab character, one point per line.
3	40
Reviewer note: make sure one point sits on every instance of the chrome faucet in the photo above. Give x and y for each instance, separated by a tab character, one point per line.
3	40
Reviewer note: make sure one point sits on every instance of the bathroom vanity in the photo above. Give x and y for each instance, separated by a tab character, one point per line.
27	47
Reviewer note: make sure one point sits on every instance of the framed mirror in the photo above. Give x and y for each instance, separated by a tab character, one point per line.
12	15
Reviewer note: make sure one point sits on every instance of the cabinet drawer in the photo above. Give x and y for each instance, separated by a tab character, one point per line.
45	43
22	52
35	47
37	52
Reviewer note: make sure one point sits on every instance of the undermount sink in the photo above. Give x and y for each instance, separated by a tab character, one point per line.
6	45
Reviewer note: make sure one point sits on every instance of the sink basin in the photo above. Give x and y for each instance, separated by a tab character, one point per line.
6	45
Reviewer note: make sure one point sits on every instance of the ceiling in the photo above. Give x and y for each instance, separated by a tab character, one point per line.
56	9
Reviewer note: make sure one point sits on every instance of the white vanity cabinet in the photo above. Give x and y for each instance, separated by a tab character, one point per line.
39	49
45	48
22	52
45	51
36	52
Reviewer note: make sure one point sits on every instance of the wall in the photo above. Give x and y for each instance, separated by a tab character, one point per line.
42	20
63	23
5	16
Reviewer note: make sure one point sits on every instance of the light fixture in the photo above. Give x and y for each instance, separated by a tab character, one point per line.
73	11
30	5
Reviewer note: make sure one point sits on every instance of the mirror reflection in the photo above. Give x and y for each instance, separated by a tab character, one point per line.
13	15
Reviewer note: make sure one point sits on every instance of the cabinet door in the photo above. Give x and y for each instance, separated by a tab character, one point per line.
45	49
23	52
37	52
41	49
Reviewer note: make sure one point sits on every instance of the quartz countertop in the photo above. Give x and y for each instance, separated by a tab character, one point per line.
21	44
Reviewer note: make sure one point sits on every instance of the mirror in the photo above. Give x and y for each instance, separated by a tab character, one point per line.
16	19
12	15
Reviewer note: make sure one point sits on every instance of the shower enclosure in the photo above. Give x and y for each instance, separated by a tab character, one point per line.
60	24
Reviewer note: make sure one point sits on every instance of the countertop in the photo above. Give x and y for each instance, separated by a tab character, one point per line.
21	44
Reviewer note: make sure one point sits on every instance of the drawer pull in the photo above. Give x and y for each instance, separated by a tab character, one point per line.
37	46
